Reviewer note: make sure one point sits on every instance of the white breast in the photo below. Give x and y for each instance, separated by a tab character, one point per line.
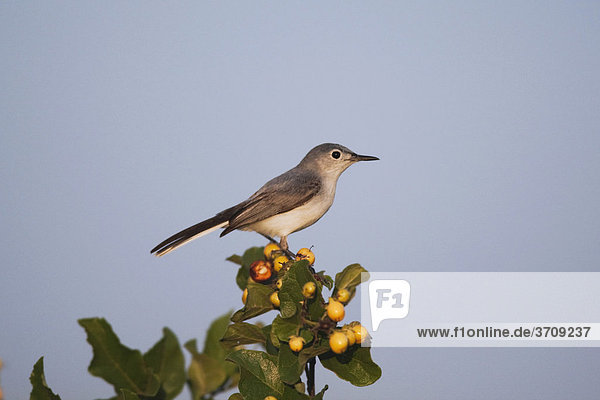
298	218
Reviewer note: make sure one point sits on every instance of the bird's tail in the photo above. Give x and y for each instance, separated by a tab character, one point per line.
200	229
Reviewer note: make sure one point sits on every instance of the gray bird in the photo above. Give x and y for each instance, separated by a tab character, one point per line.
286	204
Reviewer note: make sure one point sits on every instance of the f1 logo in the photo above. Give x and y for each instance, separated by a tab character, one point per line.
389	299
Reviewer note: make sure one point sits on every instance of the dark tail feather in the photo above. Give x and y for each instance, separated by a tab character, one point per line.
193	232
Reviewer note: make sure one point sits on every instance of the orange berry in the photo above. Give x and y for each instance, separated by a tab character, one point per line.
260	270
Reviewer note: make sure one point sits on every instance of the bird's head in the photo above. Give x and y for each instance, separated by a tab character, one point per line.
332	159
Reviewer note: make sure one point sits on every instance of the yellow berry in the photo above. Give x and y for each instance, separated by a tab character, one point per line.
279	262
306	254
270	398
343	295
245	296
360	332
335	310
269	249
338	342
296	343
350	335
274	298
279	283
309	289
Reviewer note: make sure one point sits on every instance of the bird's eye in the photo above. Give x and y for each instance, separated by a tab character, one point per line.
336	154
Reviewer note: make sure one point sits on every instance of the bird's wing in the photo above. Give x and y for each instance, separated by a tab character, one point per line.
277	196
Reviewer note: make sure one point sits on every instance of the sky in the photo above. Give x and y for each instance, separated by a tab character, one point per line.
124	122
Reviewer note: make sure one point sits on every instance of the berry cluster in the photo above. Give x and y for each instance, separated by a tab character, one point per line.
275	265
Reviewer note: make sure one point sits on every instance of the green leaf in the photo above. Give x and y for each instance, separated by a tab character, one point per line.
39	388
234	258
271	346
117	364
212	342
242	333
292	364
288	365
191	346
213	346
205	373
297	276
259	375
257	302
251	255
243	272
166	360
283	328
319	396
290	293
354	366
350	277
300	387
236	396
210	371
242	277
306	335
326	279
291	393
312	351
127	395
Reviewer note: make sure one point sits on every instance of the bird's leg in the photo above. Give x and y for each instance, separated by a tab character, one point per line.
281	245
284	247
288	253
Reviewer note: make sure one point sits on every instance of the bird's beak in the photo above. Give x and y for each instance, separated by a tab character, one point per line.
358	157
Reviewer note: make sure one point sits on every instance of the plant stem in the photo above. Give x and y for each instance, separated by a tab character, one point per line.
310	376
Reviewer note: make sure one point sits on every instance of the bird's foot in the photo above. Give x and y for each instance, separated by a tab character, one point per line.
282	244
288	253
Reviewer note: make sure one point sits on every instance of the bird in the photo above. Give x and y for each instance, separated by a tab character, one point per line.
286	204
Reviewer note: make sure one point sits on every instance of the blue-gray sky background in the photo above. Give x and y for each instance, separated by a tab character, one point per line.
123	122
